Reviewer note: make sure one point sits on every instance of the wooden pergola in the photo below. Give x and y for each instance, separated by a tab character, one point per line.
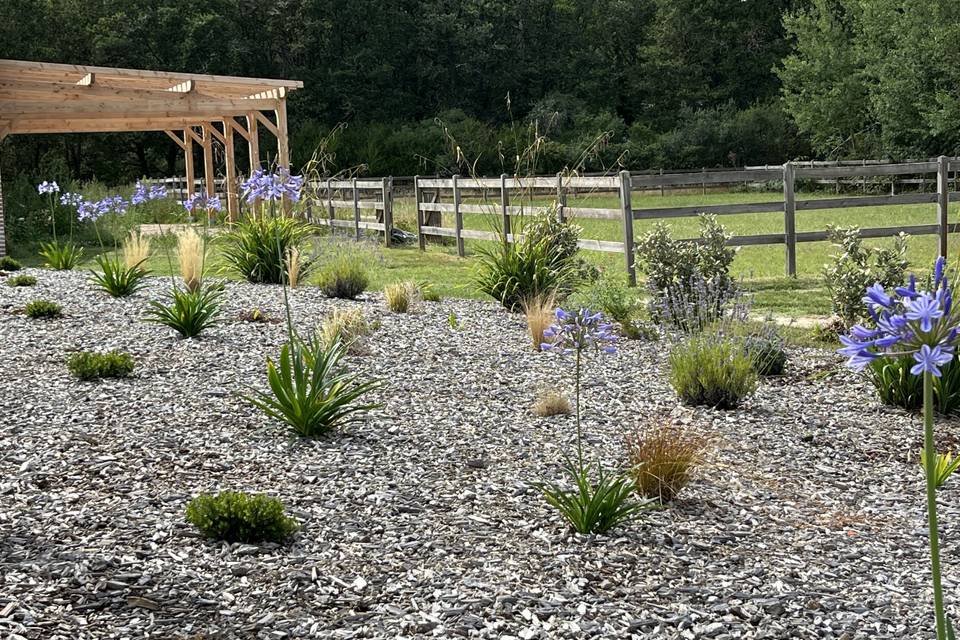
41	97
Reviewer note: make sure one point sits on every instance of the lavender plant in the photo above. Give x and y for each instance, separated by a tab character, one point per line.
590	507
924	325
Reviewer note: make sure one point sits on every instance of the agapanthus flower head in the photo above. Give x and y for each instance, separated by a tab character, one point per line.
202	202
579	331
87	211
923	324
157	192
48	187
139	193
71	199
274	186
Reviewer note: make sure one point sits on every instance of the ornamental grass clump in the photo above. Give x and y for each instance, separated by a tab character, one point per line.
191	257
538	312
712	371
116	278
921	324
343	276
591	505
88	365
21	280
664	457
43	309
258	248
400	296
349	326
768	353
136	250
551	403
232	516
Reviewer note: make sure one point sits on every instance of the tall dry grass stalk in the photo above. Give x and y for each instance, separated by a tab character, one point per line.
538	310
663	458
293	267
191	253
136	249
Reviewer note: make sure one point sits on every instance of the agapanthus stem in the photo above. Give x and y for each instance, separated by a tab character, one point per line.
577	398
930	459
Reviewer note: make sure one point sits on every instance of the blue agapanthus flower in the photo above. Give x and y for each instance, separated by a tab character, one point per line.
579	331
922	324
202	202
70	199
264	186
142	193
48	187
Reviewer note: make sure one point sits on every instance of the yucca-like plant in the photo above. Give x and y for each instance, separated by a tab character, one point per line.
136	249
188	312
61	256
257	248
116	278
310	391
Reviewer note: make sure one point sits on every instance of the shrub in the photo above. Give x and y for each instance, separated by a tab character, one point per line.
538	312
620	304
663	458
87	365
61	257
349	326
117	279
136	250
535	265
309	390
679	274
43	309
551	403
711	371
22	280
854	267
896	386
344	276
191	256
399	296
767	353
9	264
232	516
188	312
257	248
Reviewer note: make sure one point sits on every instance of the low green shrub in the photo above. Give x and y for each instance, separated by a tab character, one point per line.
233	516
767	353
188	312
9	264
116	278
61	257
43	309
310	391
257	249
343	276
896	386
21	280
711	371
89	365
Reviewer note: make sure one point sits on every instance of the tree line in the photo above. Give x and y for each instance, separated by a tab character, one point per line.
423	86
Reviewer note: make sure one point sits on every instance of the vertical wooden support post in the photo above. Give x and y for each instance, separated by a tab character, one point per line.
253	144
790	219
230	183
661	182
703	181
458	216
331	214
561	198
505	207
943	201
356	209
188	164
626	211
417	198
283	144
387	211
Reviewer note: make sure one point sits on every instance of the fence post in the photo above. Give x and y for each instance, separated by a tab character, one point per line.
387	211
505	207
790	219
421	239
458	216
943	201
661	182
330	212
356	209
626	211
561	197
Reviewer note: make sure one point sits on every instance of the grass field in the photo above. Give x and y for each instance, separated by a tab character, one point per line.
760	268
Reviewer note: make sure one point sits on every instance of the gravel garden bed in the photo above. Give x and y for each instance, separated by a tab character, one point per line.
421	521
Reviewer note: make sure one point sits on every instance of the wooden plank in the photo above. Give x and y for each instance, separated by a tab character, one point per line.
230	161
627	215
441	183
589	212
372	226
789	219
283	141
866	170
864	201
592	182
716	209
356	210
188	162
476	234
360	184
440	231
176	138
439	206
704	178
253	142
387	212
605	246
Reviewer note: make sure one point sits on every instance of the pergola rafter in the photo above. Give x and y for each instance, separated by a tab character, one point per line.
46	98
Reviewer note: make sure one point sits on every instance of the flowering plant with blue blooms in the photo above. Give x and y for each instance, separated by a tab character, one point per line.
591	507
271	186
203	202
923	324
142	194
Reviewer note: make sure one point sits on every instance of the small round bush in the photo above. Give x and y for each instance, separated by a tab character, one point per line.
9	264
88	365
711	371
43	309
234	516
345	276
767	353
22	280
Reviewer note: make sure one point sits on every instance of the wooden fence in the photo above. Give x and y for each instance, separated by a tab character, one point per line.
435	197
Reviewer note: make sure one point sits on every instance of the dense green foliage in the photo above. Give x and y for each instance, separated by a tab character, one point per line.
896	386
116	278
189	312
233	516
711	371
89	365
594	507
257	248
43	309
768	353
61	256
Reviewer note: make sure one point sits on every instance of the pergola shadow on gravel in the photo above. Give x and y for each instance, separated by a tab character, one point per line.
191	108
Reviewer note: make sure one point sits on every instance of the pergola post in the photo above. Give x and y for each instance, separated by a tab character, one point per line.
283	144
230	181
253	142
208	176
188	162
